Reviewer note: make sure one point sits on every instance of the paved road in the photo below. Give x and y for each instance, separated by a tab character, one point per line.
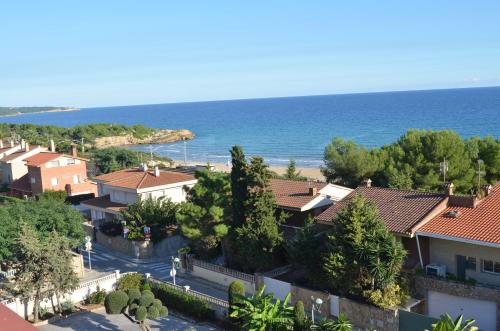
106	261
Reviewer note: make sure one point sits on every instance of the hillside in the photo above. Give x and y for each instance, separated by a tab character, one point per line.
10	111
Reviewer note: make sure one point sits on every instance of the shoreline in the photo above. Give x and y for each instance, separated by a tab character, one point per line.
312	173
55	110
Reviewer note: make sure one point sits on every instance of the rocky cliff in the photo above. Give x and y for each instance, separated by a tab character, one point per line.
159	136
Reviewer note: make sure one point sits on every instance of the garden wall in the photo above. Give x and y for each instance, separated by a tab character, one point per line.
368	316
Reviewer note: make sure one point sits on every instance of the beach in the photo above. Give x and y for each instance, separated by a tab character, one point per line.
312	173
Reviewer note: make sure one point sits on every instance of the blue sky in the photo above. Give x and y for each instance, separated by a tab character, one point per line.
100	53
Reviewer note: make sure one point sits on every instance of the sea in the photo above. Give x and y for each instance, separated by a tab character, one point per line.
299	128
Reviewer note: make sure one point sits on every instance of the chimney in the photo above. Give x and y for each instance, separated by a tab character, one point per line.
22	143
73	151
448	188
144	167
486	190
157	171
52	146
313	190
26	146
11	143
367	183
1	143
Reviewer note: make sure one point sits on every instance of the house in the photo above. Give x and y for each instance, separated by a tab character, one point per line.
301	199
402	212
9	320
12	162
464	244
53	171
119	189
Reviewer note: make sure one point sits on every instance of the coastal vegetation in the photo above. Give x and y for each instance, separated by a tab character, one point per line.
4	111
415	160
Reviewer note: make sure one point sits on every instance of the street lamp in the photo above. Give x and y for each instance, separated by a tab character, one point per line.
316	305
176	264
88	248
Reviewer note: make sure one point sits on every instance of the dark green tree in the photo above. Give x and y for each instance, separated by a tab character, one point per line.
292	173
239	185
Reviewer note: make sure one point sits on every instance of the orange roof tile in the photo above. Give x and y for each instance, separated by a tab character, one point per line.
481	223
105	202
400	210
138	179
41	158
9	320
292	193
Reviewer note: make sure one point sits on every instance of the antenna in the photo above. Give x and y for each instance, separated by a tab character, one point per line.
479	172
443	168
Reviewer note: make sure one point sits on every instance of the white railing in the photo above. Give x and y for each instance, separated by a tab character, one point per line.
223	270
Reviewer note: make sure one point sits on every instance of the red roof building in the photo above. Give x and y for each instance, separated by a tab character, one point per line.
9	320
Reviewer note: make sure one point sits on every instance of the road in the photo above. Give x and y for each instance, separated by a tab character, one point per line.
105	261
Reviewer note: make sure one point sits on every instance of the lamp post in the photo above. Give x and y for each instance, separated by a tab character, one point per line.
88	248
316	305
176	264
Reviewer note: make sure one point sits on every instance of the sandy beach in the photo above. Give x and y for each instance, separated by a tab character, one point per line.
313	173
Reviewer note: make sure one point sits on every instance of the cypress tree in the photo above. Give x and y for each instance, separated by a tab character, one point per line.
238	185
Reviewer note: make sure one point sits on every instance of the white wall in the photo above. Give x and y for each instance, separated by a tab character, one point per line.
221	278
279	288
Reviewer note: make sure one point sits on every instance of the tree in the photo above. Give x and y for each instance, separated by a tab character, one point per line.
204	217
259	236
299	317
263	312
235	292
340	324
447	324
238	185
156	213
292	173
44	267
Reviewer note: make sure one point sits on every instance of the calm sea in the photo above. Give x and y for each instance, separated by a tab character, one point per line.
298	127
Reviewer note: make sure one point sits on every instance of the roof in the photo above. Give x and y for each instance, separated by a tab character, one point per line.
21	184
400	210
9	320
481	223
104	202
138	179
41	158
294	194
17	154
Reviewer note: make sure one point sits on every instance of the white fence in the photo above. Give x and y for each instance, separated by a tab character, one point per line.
279	288
24	309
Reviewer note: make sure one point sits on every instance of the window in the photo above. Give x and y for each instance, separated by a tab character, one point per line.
75	179
71	161
54	164
470	263
54	181
491	266
33	180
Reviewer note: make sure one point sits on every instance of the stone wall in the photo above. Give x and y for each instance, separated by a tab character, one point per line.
367	316
304	294
77	263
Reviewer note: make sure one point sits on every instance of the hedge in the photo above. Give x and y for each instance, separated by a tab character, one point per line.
183	302
153	313
115	302
129	281
146	299
134	295
141	313
132	308
163	311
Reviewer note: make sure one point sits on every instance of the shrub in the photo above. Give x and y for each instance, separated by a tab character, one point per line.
132	280
146	287
115	302
67	307
153	313
141	313
184	302
391	296
299	318
157	303
96	297
146	299
163	311
132	308
235	289
133	295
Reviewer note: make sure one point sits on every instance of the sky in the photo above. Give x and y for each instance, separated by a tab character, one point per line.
105	53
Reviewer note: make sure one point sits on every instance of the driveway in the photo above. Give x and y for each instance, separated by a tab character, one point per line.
99	321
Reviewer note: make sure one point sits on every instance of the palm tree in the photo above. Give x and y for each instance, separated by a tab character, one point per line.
447	324
341	324
263	312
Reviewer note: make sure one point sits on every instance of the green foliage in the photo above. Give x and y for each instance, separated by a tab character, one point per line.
68	307
155	213
146	299
44	216
130	281
264	312
163	311
153	313
134	294
235	291
157	303
412	162
146	287
446	323
141	313
292	173
299	317
340	324
255	241
239	185
204	216
388	297
115	302
115	158
184	302
59	196
132	308
96	297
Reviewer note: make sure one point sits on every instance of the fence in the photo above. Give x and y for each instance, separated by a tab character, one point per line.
7	274
224	270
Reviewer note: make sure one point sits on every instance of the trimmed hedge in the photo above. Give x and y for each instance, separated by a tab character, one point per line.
115	302
141	313
235	288
129	281
183	302
157	303
153	313
163	311
146	299
133	295
132	308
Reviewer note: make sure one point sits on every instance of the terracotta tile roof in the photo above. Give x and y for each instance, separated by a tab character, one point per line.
400	210
292	193
9	320
104	202
17	154
41	158
21	184
137	179
481	223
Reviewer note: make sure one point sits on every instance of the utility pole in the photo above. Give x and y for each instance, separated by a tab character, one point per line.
479	172
185	152
443	168
83	147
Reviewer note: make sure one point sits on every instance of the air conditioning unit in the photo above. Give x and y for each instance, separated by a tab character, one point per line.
438	270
